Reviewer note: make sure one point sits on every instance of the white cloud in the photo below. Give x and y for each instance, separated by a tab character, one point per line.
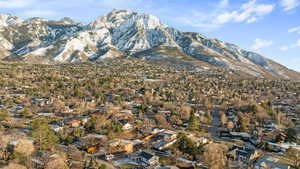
289	4
288	47
294	30
39	13
297	44
223	3
251	20
15	3
198	20
249	12
225	17
284	48
261	43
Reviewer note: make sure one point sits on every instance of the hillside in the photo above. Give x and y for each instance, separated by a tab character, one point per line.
122	34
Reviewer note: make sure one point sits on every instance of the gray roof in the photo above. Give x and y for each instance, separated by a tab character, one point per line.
270	162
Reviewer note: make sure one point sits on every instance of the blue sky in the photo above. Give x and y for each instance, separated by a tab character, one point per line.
270	27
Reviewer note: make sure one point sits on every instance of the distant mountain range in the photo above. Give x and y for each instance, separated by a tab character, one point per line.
122	34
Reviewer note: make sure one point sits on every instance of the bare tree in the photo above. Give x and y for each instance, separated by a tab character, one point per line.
223	118
162	121
214	156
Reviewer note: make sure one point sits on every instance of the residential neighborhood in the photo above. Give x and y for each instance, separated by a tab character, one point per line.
131	114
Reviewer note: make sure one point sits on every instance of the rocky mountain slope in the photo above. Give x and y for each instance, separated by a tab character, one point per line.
122	34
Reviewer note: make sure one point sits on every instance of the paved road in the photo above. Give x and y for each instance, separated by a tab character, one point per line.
214	129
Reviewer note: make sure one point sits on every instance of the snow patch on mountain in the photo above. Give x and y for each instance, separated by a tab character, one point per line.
41	51
7	19
5	44
123	33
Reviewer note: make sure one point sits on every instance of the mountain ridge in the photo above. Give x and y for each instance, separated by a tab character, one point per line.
120	34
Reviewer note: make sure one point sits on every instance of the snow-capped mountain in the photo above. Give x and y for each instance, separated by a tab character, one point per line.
120	34
6	20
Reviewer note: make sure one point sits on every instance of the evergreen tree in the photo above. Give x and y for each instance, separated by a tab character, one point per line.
193	122
291	133
43	135
102	166
3	115
186	145
294	156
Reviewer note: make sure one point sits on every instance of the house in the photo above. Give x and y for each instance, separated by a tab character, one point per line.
203	140
297	129
163	144
141	160
119	145
137	144
200	140
74	154
93	140
127	126
68	109
129	102
136	105
283	146
268	162
190	163
74	123
167	167
146	158
18	109
56	128
167	113
84	120
126	111
125	123
41	101
168	135
270	126
242	153
235	135
240	135
149	158
96	114
89	100
46	114
156	131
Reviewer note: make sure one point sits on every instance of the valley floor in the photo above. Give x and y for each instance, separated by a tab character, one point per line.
134	114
